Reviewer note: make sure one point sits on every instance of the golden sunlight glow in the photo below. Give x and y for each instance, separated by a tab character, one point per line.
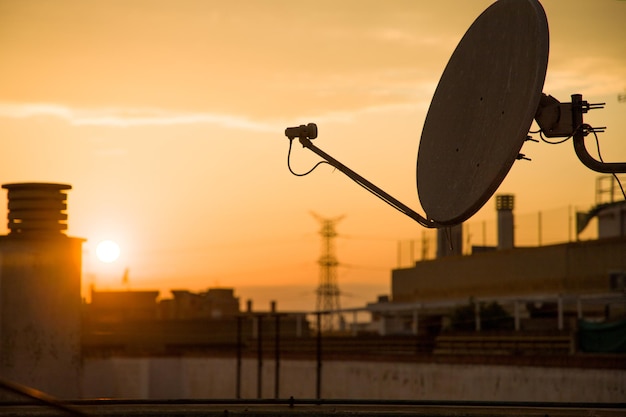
107	251
168	118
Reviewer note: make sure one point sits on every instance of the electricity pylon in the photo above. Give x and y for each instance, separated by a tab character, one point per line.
328	289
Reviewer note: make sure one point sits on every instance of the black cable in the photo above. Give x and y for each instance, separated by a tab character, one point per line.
595	135
585	128
289	163
558	142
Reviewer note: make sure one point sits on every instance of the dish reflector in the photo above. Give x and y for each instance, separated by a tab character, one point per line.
482	110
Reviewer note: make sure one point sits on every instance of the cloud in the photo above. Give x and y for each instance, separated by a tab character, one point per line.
411	39
120	117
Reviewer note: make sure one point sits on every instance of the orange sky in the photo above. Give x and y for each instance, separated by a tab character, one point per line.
167	119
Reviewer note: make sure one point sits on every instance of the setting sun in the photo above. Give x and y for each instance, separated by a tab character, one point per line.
107	251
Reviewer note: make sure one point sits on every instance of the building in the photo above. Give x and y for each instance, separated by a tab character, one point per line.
117	306
569	269
138	323
211	304
538	288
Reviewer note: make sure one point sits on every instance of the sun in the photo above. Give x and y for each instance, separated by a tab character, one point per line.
107	251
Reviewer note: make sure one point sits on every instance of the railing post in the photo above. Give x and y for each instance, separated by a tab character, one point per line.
277	356
477	316
318	381
259	376
560	312
239	348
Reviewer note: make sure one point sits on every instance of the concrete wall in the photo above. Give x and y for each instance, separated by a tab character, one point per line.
40	313
154	378
582	267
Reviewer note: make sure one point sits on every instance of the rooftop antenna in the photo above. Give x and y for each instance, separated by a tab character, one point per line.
480	115
126	279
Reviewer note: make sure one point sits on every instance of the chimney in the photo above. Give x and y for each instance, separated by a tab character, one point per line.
504	206
37	209
41	305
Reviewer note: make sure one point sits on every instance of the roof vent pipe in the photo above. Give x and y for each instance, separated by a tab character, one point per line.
37	209
506	236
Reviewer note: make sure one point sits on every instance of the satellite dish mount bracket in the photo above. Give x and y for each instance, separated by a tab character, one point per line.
558	119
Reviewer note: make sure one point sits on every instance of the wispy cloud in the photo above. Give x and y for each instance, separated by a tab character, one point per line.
124	117
412	39
144	117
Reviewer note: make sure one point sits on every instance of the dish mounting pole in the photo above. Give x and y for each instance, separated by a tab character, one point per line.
580	106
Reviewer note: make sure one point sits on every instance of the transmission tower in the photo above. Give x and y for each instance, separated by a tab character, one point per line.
328	289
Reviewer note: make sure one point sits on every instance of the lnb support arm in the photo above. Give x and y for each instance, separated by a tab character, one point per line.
305	141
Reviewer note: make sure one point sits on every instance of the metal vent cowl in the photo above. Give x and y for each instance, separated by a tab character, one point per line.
37	208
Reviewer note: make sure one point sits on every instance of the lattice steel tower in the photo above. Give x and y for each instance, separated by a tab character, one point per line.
328	289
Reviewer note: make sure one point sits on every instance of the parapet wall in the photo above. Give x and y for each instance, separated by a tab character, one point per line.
572	268
206	377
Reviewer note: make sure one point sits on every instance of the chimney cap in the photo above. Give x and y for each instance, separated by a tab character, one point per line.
36	186
37	209
505	202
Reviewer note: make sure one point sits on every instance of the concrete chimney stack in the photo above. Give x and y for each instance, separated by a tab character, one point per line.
40	301
506	236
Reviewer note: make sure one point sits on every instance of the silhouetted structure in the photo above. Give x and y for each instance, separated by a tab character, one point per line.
117	306
609	209
214	303
328	288
542	289
505	203
138	323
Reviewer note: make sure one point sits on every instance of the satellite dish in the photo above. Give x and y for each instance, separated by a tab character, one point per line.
482	110
480	115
